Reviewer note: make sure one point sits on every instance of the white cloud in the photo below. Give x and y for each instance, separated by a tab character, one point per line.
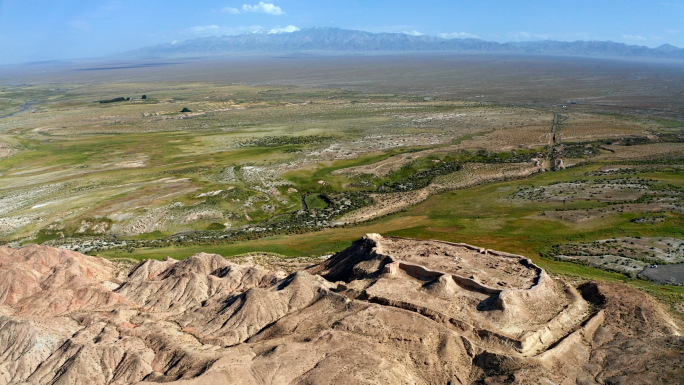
262	7
211	30
413	33
200	29
230	10
288	29
523	36
634	37
458	35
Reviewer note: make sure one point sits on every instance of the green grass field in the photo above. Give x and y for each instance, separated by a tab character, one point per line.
483	216
480	216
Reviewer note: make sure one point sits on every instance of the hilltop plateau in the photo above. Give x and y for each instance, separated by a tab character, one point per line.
386	310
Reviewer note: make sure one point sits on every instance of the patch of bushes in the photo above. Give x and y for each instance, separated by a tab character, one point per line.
216	227
419	179
115	100
278	141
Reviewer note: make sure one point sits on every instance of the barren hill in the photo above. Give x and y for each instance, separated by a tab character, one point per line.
384	311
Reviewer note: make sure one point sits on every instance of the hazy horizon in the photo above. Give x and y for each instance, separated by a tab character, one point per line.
32	31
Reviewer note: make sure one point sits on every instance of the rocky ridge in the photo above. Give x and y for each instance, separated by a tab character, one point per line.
384	311
343	40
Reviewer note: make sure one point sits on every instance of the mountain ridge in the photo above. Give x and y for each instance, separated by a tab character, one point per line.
344	40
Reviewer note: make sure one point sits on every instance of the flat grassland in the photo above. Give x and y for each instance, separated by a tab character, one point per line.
300	156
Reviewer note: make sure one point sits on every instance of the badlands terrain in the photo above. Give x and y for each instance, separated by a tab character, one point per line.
383	311
198	220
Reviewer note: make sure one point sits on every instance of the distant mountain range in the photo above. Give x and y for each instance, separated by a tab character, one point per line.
342	40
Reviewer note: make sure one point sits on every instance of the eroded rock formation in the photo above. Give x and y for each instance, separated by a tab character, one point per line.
384	311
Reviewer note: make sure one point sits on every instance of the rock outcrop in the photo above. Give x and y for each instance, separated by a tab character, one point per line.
384	311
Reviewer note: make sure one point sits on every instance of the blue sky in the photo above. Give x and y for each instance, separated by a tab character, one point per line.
36	30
